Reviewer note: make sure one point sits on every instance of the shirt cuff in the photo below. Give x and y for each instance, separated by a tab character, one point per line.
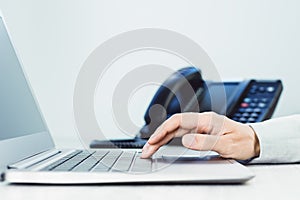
279	140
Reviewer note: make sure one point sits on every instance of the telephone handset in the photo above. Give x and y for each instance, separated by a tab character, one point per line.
245	101
181	92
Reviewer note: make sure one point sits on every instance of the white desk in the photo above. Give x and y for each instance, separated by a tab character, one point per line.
271	182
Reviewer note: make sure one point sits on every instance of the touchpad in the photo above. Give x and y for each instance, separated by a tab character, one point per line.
181	153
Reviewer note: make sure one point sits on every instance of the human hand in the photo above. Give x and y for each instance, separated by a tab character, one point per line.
206	131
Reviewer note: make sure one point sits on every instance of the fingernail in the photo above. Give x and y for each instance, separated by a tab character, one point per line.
145	150
144	154
188	140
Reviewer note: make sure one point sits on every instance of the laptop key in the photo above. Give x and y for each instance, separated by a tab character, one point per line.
124	162
91	161
100	167
86	165
60	161
72	162
99	154
141	165
107	162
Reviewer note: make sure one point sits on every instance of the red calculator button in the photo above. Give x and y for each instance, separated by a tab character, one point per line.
244	105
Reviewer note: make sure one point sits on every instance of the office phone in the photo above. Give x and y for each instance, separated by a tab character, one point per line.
247	101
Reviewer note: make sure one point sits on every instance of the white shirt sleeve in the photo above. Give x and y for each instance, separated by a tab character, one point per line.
279	140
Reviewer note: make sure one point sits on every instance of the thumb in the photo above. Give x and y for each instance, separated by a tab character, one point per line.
201	142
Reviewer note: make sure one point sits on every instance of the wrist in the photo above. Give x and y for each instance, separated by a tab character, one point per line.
256	143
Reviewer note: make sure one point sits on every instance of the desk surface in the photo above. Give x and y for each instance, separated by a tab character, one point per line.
271	182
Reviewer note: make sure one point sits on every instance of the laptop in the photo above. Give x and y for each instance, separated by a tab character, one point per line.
28	154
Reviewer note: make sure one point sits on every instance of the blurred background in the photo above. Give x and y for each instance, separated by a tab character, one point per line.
245	39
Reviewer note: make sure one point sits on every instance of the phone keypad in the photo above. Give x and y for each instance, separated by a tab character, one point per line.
256	103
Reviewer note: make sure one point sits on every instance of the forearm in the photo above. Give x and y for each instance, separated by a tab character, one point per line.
279	140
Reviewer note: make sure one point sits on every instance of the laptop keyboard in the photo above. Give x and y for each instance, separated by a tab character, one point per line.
101	161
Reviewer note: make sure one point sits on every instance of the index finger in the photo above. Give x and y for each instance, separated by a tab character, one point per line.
187	121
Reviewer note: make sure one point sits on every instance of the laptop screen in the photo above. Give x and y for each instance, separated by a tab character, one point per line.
19	115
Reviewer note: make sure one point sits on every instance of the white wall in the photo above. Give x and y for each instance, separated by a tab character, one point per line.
245	39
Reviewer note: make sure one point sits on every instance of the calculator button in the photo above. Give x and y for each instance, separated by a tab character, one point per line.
253	105
261	105
254	115
251	120
243	119
257	110
261	89
255	100
270	89
241	110
237	115
247	100
244	105
245	114
264	100
249	110
235	119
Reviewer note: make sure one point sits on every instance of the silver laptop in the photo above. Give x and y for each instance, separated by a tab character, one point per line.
28	155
